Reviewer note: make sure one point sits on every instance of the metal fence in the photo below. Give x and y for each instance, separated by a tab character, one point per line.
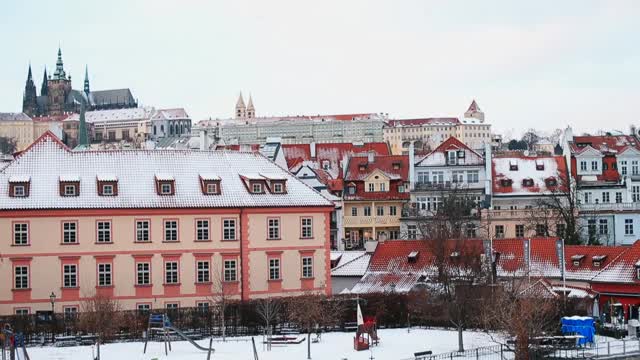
602	350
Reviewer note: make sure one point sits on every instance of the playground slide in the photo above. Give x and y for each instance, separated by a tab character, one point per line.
182	335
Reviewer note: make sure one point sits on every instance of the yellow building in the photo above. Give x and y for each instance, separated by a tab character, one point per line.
25	130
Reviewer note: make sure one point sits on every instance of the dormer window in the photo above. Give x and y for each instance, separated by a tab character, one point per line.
326	165
277	188
460	154
413	256
256	188
550	182
69	185
597	260
637	272
577	259
527	182
165	185
396	165
539	165
19	186
513	165
451	157
362	167
455	255
107	185
210	184
351	190
506	182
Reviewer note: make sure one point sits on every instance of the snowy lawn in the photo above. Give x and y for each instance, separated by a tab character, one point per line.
395	344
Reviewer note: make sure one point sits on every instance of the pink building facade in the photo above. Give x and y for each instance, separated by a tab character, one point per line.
155	229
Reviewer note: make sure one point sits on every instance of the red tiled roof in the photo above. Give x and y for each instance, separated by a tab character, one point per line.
50	118
445	121
585	270
607	144
386	164
623	268
295	154
554	167
543	257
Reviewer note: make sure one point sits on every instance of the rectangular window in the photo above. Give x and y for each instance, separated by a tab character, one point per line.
354	211
379	210
394	234
383	187
635	193
203	275
274	269
561	230
104	274
628	226
367	210
499	233
519	230
634	167
21	277
69	232
541	230
393	211
277	188
307	267
171	272
69	190
228	229
587	197
371	187
21	312
172	306
603	227
412	232
107	190
438	177
20	233
473	177
170	230
144	308
19	191
423	177
165	188
618	197
605	197
583	166
594	165
212	188
202	306
202	230
623	168
306	228
104	231
457	176
70	275
142	230
470	230
230	270
256	188
143	273
273	232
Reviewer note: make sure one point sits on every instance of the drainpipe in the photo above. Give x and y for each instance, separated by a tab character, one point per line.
241	257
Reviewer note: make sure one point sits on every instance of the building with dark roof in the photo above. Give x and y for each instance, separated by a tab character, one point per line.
58	97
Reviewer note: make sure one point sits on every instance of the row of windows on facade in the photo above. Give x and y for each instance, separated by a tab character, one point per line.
393	210
470	231
588	197
104	275
549	182
624	166
540	230
351	188
163	187
457	176
601	227
104	230
71	311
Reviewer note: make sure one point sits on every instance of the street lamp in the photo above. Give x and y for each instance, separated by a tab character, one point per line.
52	297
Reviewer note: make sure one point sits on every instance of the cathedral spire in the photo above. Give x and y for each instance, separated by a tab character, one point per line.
86	80
241	109
251	111
44	89
29	99
29	75
59	74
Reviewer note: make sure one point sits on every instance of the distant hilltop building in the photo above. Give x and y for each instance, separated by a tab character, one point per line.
57	97
245	112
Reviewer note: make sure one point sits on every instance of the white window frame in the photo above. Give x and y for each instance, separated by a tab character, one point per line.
203	232
143	231
278	188
70	190
307	267
230	270
21	233
111	191
69	232
367	210
256	188
354	211
103	232
165	188
371	187
306	227
203	271
229	229
273	228
393	210
274	269
21	193
143	273
105	274
70	275
628	226
171	231
212	188
379	210
171	272
21	277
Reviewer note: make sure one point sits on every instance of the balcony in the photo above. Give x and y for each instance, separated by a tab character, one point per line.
446	185
507	214
614	207
369	221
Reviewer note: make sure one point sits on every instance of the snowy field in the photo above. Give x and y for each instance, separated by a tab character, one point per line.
395	344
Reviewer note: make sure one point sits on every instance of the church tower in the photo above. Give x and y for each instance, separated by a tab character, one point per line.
59	88
87	90
251	111
30	97
241	109
44	89
474	112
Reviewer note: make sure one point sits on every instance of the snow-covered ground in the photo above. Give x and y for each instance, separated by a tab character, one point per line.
395	344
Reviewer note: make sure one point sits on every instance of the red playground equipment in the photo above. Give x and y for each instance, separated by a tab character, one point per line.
366	334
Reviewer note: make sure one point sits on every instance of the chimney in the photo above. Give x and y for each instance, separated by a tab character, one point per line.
204	140
312	148
371	157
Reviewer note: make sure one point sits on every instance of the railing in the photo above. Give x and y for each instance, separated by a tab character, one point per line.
446	185
627	206
371	220
508	214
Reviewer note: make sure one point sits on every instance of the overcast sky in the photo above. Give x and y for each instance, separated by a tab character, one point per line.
542	64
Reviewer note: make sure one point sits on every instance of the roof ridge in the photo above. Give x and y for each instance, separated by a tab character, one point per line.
350	261
626	249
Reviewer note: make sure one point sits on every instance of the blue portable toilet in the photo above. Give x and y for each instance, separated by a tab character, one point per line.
579	325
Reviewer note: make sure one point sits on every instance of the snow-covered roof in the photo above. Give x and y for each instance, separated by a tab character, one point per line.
97	116
252	176
19	178
107	177
69	178
355	266
164	177
209	176
272	176
48	160
517	169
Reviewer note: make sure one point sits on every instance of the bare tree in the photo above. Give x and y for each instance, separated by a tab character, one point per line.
268	309
311	312
523	312
531	138
221	297
100	315
7	145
